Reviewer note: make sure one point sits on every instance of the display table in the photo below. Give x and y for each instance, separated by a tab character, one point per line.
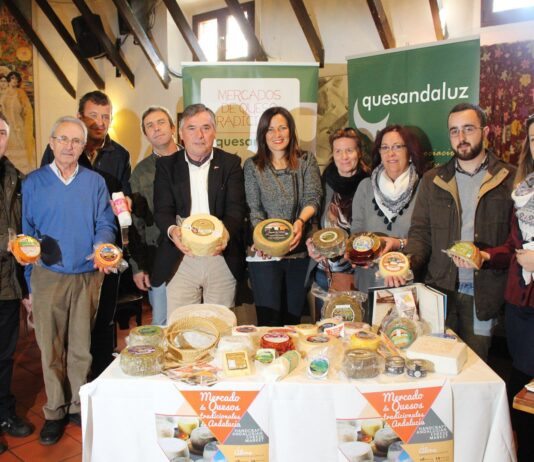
298	415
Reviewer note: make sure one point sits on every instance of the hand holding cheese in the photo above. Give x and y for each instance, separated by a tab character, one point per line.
107	258
25	249
204	235
176	237
312	251
465	255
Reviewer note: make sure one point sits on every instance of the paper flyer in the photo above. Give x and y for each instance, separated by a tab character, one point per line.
215	425
412	423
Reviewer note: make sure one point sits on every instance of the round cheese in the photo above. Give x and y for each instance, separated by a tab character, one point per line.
344	306
401	331
277	341
203	233
330	242
353	327
361	364
365	340
107	256
394	264
363	248
306	329
141	360
146	335
306	344
273	237
26	249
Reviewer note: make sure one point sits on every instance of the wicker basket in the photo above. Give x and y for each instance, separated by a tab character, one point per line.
177	356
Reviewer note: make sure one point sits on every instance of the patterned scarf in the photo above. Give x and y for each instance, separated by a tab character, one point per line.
523	197
388	205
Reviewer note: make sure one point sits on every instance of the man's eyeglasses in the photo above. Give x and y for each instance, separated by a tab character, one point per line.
465	129
393	148
65	141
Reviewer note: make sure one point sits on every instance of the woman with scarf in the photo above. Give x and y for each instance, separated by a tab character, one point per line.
340	180
517	254
383	204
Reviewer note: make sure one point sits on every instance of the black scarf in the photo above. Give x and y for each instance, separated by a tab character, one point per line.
344	186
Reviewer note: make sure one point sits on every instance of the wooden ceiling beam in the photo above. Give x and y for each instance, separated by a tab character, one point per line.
381	22
41	48
247	29
110	49
434	8
309	30
154	58
185	29
71	43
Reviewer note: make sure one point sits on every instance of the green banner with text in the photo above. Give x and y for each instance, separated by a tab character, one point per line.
415	87
239	93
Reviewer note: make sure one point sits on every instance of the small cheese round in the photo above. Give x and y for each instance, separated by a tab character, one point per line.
273	237
330	242
394	264
361	364
365	340
146	335
203	233
465	250
142	360
107	255
26	249
363	248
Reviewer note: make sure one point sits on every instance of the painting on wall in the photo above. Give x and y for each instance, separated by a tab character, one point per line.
16	91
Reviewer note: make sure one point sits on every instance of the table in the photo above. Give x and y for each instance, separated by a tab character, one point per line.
524	401
118	414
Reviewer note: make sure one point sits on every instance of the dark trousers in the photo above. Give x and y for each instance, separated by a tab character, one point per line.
103	335
9	333
279	290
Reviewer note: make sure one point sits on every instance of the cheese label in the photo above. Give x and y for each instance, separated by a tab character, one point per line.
394	264
345	311
318	339
108	253
29	246
246	329
141	350
363	244
328	237
276	337
276	232
202	227
148	330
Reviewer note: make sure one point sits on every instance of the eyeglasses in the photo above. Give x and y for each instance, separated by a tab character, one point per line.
465	129
393	148
65	141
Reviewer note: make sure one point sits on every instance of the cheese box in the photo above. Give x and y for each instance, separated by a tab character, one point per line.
448	355
273	237
203	233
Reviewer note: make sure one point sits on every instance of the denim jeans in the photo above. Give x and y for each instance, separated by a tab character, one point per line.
157	296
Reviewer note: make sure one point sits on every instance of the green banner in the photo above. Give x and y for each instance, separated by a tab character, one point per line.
415	87
240	93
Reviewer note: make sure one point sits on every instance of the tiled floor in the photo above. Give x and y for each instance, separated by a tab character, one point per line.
28	388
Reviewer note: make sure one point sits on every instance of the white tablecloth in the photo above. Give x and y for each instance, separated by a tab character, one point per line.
119	411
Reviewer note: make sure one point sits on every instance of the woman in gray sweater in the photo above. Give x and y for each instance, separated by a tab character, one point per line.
283	182
383	204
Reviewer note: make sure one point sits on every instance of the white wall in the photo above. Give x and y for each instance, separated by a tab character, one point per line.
345	28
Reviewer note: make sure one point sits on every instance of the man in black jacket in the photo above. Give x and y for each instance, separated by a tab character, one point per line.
199	179
11	288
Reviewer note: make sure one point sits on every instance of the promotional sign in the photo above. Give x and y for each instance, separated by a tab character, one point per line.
216	425
399	423
239	93
416	87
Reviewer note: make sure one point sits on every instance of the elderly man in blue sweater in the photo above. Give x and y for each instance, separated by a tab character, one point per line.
67	206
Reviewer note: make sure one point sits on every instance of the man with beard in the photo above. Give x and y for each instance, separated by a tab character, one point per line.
468	199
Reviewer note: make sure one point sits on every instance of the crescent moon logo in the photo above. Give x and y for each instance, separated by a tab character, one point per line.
370	129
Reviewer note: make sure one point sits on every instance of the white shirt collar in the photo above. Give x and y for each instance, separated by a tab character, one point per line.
56	170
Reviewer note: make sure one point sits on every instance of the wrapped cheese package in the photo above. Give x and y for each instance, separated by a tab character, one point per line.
465	250
330	242
146	335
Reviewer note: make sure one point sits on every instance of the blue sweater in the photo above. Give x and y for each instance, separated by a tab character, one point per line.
77	216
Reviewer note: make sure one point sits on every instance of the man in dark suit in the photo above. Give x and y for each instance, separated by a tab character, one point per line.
199	179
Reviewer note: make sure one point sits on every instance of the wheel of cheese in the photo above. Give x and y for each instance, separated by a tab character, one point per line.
203	233
330	242
361	364
306	344
394	264
142	360
363	248
146	335
345	306
107	255
26	249
365	340
273	237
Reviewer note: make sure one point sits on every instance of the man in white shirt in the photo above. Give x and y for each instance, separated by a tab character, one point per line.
199	179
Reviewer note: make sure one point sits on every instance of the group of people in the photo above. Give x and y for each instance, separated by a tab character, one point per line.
474	197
